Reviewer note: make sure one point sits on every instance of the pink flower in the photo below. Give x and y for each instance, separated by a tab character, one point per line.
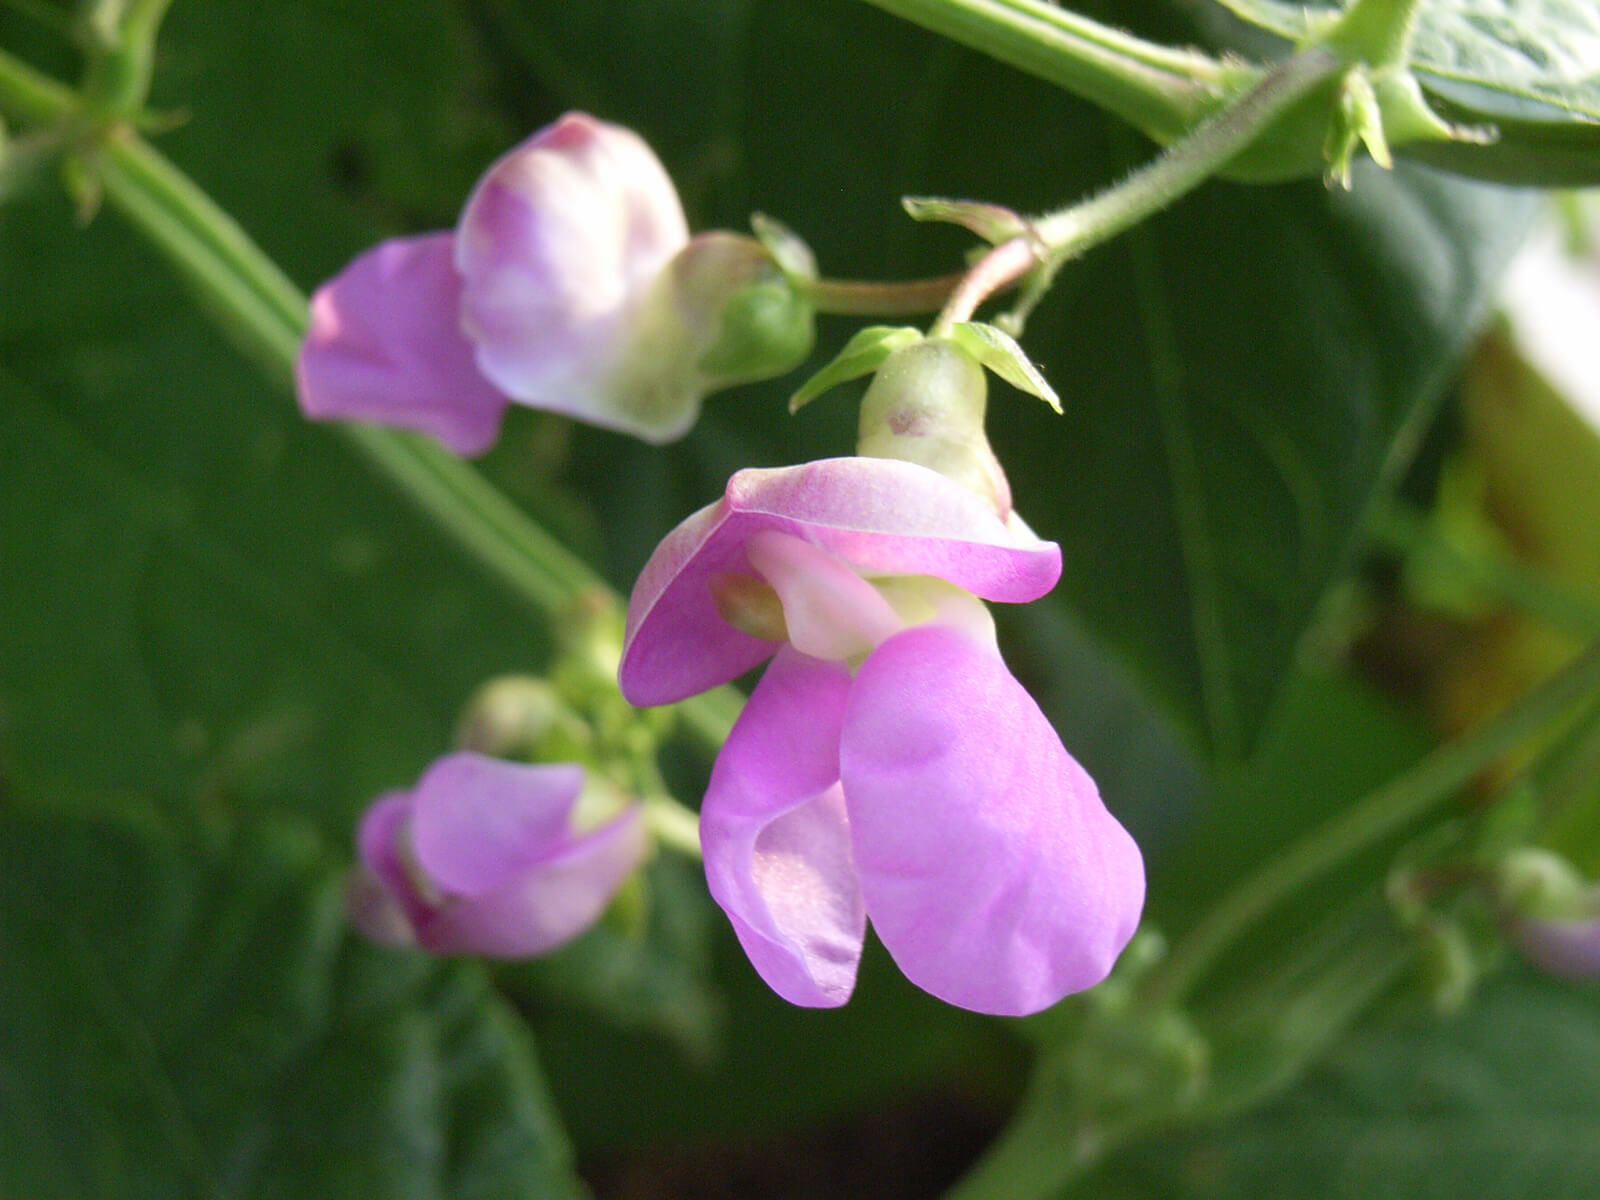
545	294
480	858
887	765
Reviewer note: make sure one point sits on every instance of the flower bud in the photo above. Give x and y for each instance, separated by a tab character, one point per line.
1549	913
926	405
494	858
516	716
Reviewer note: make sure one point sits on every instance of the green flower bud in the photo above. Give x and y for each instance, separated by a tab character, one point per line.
926	406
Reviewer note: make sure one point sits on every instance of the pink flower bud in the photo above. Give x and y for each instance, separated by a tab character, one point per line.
481	858
570	284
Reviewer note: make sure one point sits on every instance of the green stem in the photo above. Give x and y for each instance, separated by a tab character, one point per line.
1186	164
1402	528
867	298
1054	238
1161	90
1381	813
675	827
262	309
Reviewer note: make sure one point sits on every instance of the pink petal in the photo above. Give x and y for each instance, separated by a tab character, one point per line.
546	905
775	837
385	345
381	841
830	612
881	516
478	822
991	871
557	245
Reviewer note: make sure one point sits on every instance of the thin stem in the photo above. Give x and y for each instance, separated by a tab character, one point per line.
1186	164
1161	90
31	96
1001	267
867	298
676	827
1378	815
257	304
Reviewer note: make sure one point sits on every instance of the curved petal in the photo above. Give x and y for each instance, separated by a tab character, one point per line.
385	345
991	870
829	611
478	822
556	246
382	847
881	516
549	904
775	837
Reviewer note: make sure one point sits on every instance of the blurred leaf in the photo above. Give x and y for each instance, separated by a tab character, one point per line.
1530	68
1498	1105
180	1015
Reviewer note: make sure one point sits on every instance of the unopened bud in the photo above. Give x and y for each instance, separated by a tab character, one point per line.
519	717
1550	913
742	319
926	405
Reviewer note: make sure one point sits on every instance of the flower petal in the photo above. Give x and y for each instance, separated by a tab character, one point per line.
478	822
546	905
380	839
558	243
775	837
991	870
881	516
385	345
830	612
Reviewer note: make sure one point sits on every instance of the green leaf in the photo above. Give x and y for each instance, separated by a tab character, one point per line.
999	351
1496	1105
181	1015
992	222
1528	68
863	354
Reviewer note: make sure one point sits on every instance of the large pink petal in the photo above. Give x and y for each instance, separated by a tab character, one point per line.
549	903
881	516
385	345
991	870
775	837
478	822
557	244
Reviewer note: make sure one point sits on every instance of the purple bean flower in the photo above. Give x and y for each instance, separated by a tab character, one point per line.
481	858
566	286
887	765
1567	947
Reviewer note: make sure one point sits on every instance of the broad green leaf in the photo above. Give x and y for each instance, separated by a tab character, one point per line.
182	1015
1497	1104
1530	68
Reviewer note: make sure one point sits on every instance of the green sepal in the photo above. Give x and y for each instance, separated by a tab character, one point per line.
789	251
862	355
1000	352
992	222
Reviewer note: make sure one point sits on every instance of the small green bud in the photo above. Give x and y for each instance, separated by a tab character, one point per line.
744	319
516	716
926	405
1531	882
